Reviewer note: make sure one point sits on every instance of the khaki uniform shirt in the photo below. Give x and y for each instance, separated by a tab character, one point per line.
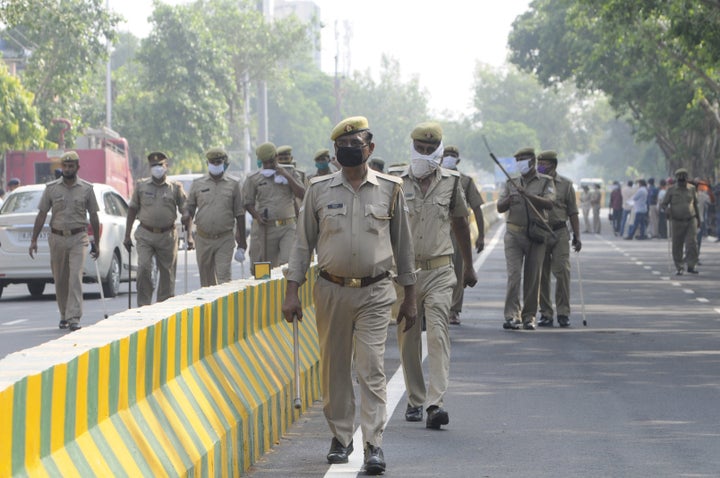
472	195
682	202
431	214
565	203
68	205
356	233
265	193
157	205
538	185
217	203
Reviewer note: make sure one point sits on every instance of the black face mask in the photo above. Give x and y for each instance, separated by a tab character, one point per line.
350	156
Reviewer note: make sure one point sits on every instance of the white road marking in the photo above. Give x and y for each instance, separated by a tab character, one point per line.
702	299
13	322
688	291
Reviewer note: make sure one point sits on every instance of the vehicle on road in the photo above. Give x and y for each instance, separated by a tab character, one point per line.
17	217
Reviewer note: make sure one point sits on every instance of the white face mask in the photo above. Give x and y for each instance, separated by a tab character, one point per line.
423	164
449	162
216	169
524	166
158	171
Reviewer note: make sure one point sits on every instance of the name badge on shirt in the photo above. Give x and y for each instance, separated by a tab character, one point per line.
335	206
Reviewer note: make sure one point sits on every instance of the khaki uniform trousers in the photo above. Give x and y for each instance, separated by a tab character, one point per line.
557	261
586	218
596	219
653	220
434	294
458	294
523	259
359	316
684	236
163	246
279	241
214	258
67	258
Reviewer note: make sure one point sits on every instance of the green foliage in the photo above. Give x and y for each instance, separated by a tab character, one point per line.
67	40
20	127
649	58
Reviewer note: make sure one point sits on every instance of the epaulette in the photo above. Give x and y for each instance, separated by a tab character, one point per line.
388	177
449	172
318	179
144	180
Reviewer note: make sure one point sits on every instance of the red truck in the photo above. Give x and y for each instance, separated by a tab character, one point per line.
104	158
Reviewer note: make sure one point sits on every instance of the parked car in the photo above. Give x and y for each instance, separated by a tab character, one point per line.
17	217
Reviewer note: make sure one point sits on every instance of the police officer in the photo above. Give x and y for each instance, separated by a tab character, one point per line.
437	206
595	203
377	164
322	164
217	200
357	221
451	158
523	256
70	199
680	205
269	196
557	255
156	202
285	159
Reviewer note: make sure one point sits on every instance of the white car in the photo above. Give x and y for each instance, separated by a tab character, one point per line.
17	217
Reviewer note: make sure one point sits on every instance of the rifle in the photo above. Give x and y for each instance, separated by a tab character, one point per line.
543	221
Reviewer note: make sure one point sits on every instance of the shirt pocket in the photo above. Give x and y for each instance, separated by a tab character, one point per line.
441	207
332	221
79	206
58	204
376	218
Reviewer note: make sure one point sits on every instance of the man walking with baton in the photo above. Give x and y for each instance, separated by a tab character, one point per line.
526	201
356	220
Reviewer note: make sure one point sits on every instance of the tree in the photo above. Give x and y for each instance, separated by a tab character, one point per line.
67	40
20	126
632	52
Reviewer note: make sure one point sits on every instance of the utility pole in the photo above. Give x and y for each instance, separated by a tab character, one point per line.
262	107
108	80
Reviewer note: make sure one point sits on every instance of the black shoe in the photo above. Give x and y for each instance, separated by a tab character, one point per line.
436	417
679	272
528	326
563	321
63	324
546	321
692	270
413	414
339	453
73	326
511	325
374	460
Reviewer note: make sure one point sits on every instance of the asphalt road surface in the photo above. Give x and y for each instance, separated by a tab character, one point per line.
632	394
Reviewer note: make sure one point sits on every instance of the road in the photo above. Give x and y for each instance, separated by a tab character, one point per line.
632	394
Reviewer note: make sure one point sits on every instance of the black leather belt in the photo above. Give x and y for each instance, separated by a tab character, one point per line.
70	232
559	226
157	230
352	282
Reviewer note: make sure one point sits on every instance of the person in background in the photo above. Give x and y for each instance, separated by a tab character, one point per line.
557	254
616	206
703	204
662	216
13	184
640	210
354	293
653	211
627	193
322	165
680	204
451	158
68	240
215	201
585	206
595	204
2	196
377	164
269	196
155	202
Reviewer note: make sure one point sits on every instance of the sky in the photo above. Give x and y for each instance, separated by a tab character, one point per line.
439	46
